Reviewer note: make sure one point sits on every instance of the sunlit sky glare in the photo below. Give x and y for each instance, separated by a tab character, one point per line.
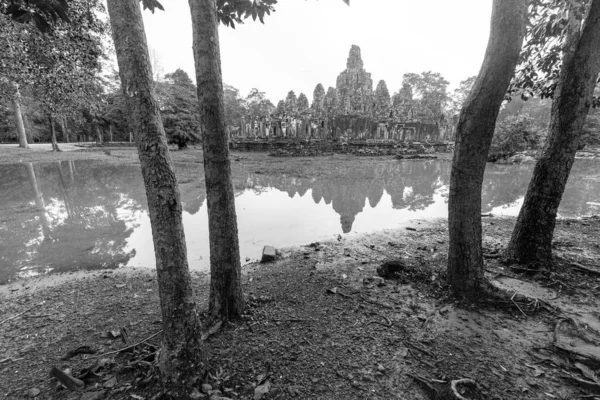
306	42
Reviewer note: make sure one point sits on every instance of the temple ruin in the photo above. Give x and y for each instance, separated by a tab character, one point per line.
347	113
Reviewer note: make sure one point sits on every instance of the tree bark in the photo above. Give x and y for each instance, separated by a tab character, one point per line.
63	127
474	135
16	104
53	133
226	298
98	133
110	132
181	360
531	239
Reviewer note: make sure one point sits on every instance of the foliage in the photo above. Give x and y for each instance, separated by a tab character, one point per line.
257	105
179	108
429	89
234	105
550	24
461	93
514	134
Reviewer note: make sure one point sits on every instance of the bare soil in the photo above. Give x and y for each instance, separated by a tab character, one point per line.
321	324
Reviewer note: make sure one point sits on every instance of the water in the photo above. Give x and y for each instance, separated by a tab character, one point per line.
87	215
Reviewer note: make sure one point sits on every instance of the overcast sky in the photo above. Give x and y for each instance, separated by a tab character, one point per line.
306	42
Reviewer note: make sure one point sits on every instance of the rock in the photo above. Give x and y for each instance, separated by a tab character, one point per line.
391	269
33	392
196	395
269	254
206	388
93	395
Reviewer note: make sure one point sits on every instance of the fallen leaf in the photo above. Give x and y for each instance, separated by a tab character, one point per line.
111	382
119	286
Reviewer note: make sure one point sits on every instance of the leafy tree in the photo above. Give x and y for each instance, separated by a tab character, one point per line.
234	105
473	138
514	134
430	90
60	66
461	93
257	104
318	102
531	240
179	108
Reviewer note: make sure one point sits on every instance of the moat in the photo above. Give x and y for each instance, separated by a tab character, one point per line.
71	215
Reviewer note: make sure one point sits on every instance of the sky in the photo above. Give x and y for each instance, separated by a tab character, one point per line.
306	42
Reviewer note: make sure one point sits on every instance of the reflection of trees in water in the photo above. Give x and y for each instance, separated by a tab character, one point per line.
73	216
412	186
350	191
505	184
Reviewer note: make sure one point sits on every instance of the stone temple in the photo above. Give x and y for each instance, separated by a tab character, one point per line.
347	114
355	86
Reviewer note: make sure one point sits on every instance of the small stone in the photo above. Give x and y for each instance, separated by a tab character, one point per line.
93	395
269	254
206	388
33	392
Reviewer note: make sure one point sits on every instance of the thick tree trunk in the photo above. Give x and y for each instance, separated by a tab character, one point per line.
53	133
16	104
226	298
181	361
63	127
532	236
474	135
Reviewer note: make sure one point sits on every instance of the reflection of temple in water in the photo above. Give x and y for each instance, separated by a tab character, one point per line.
348	195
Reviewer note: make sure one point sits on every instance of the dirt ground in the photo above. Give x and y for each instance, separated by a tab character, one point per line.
320	322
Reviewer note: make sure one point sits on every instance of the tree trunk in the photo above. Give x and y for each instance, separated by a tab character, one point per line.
226	298
474	136
532	236
181	362
53	132
98	133
110	132
63	127
16	103
28	128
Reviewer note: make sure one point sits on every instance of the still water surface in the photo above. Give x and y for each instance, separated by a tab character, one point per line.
88	215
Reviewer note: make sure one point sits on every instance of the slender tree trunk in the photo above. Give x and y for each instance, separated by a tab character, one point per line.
226	298
110	132
16	103
53	133
28	128
98	133
130	137
532	236
474	136
63	127
181	362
